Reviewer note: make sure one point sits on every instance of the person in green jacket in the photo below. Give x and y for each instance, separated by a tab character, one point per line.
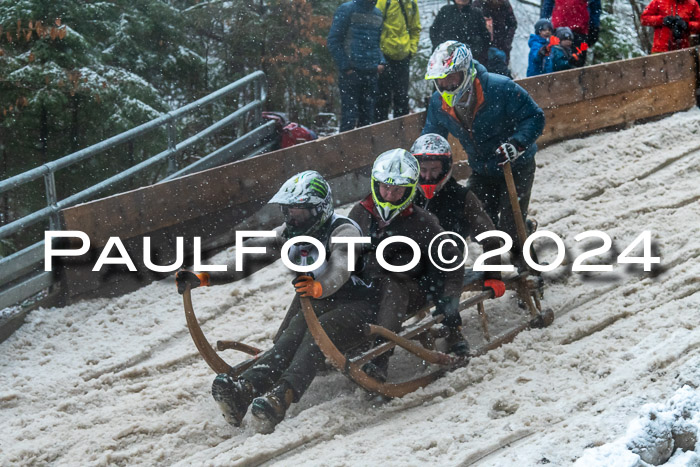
399	42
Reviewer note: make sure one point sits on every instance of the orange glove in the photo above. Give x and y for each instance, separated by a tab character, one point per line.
308	287
184	277
499	288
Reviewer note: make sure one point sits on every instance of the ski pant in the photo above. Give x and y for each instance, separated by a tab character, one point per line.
393	89
493	194
358	93
400	297
295	357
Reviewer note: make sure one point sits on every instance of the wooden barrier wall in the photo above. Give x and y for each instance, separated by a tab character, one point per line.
210	204
580	101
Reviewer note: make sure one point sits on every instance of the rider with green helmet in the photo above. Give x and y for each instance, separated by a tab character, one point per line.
390	211
282	374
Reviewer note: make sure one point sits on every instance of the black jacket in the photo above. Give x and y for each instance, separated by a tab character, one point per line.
466	25
418	225
459	210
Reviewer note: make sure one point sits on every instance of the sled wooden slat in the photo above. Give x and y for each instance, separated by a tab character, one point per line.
430	356
240	346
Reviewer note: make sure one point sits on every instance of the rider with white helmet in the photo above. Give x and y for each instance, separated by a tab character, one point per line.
389	211
282	374
494	119
455	206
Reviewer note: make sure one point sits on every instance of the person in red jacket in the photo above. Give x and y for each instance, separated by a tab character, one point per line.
673	22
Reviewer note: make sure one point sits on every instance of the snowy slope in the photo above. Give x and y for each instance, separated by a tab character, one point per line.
120	382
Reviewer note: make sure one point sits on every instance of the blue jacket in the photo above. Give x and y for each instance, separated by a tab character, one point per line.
505	112
354	36
558	60
536	64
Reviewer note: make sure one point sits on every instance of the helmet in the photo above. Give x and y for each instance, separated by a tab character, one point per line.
306	190
448	58
433	147
543	24
396	167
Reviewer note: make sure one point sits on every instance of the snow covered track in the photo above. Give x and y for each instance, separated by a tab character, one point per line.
119	382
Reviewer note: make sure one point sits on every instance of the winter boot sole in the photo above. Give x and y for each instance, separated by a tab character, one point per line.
266	418
223	390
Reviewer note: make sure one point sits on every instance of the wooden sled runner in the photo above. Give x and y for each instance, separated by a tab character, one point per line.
417	339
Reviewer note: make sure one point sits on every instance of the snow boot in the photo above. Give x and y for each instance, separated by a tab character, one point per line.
456	343
233	396
271	408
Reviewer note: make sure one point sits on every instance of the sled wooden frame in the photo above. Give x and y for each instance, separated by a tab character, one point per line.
417	339
413	339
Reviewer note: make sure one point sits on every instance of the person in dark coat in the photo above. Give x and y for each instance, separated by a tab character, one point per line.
673	22
456	207
282	374
463	23
503	23
354	44
494	119
389	211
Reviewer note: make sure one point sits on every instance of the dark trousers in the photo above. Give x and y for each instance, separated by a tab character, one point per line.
393	89
493	193
358	93
400	297
295	357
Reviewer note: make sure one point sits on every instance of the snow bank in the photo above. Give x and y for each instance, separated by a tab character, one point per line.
664	434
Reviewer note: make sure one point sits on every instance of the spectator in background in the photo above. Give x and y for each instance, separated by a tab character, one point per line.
539	48
581	16
463	23
399	42
673	22
503	23
354	44
561	56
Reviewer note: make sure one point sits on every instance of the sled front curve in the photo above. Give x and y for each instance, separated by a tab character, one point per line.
210	356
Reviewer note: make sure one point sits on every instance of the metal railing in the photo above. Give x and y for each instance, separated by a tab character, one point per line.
22	277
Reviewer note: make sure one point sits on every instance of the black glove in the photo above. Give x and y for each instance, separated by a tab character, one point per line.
679	29
592	37
669	21
509	151
184	277
544	51
449	306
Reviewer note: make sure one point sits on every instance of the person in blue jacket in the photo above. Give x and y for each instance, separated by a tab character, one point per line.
354	44
561	57
494	119
538	58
